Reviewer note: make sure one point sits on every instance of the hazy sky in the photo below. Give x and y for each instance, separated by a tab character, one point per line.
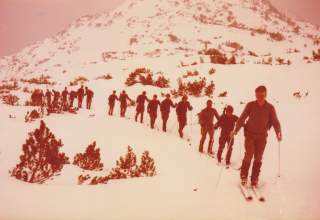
23	22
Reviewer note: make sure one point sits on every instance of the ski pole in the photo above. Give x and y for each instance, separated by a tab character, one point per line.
279	158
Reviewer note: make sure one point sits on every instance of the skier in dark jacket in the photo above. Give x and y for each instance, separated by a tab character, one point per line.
257	117
112	99
181	109
89	93
227	123
64	95
41	98
72	96
56	97
80	95
141	99
48	96
123	103
206	117
165	106
153	110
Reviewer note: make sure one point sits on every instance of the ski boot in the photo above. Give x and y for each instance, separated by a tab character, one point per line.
244	181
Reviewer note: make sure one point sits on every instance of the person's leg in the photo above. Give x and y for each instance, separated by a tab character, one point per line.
141	116
260	145
249	151
180	128
165	121
121	110
203	138
153	120
182	124
136	116
222	143
124	110
230	144
210	145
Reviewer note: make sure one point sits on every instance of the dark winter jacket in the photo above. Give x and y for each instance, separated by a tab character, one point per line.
153	106
260	119
226	124
165	106
89	94
182	108
73	94
64	94
80	93
141	99
112	98
123	99
206	117
48	95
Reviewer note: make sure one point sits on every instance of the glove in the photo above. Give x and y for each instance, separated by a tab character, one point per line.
279	136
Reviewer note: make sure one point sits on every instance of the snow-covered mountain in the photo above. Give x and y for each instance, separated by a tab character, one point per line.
174	31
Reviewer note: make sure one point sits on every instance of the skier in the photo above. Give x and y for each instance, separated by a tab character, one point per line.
48	96
261	116
140	105
165	111
206	119
181	109
227	123
64	95
56	97
112	98
41	97
89	93
72	96
153	110
123	103
80	94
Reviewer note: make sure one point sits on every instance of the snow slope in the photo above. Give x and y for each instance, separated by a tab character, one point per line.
181	170
187	185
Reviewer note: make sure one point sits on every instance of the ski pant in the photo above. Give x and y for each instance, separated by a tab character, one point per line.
204	131
71	102
111	107
165	117
139	111
254	148
153	117
182	123
223	140
89	101
123	109
80	98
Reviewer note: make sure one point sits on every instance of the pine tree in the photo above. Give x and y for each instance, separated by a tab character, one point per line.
41	158
125	167
147	167
90	160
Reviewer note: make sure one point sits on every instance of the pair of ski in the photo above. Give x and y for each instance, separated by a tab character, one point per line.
250	192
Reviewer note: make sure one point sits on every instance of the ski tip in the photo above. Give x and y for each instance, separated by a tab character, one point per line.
262	199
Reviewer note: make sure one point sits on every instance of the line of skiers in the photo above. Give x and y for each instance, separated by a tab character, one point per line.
257	118
55	100
152	108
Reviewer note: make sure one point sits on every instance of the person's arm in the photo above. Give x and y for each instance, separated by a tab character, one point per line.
218	123
276	124
242	118
148	107
190	107
216	114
